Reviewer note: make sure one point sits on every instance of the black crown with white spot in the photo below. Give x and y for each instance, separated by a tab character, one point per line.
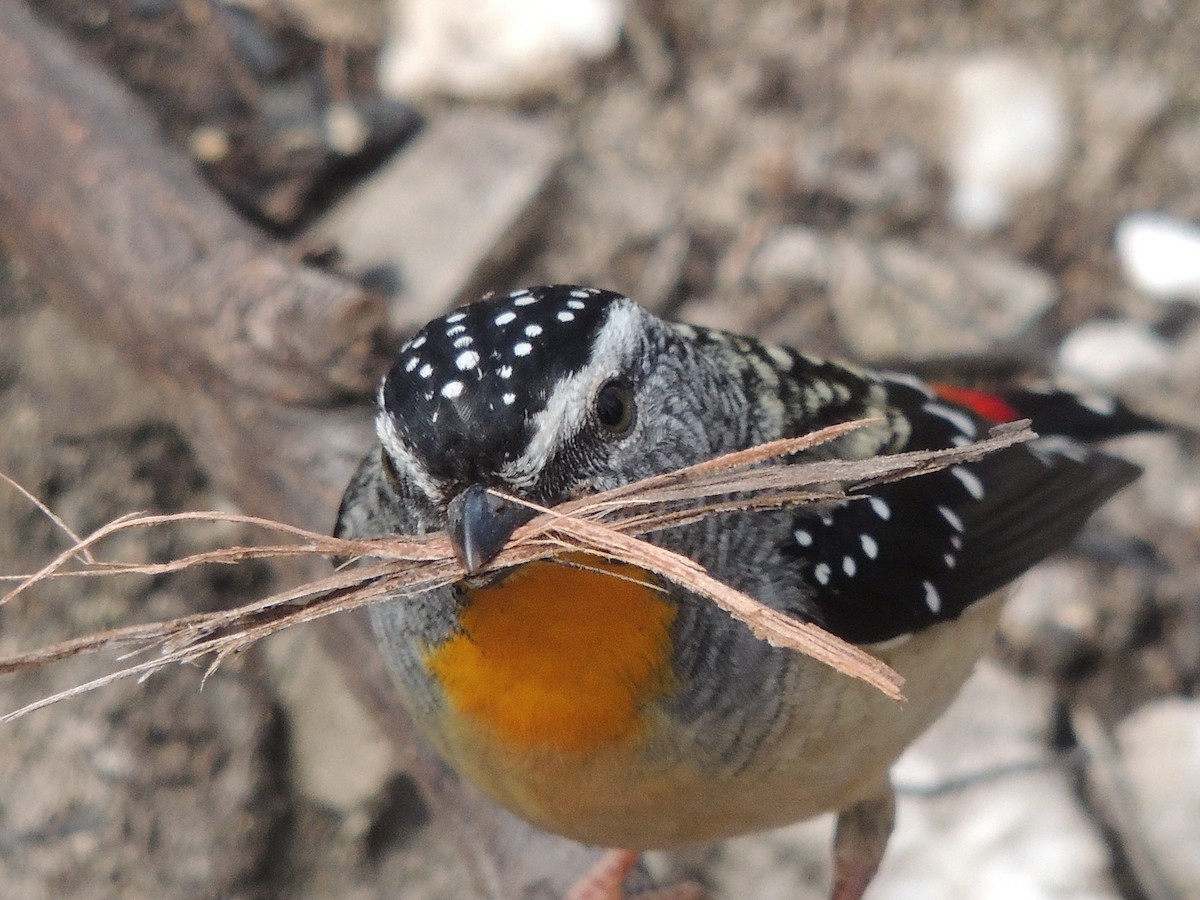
475	377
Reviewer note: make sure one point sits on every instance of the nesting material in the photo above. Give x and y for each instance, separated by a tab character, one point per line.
493	48
606	524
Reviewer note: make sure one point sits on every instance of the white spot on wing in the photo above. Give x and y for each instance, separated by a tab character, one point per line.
467	360
417	342
1059	445
952	517
950	561
566	317
575	304
524	300
870	546
455	317
451	389
464	341
411	364
957	418
508	399
426	370
504	371
533	330
881	508
455	329
822	573
803	538
1100	404
969	480
522	349
910	381
932	599
505	317
849	566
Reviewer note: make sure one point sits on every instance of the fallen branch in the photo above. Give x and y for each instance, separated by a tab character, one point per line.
610	524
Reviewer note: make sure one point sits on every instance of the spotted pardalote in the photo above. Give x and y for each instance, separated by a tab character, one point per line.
605	705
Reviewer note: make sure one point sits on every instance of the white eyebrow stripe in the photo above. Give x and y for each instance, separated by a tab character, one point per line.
569	403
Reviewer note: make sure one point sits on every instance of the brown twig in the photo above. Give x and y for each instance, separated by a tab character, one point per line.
608	524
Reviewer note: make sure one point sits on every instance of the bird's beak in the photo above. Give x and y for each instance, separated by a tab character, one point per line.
480	524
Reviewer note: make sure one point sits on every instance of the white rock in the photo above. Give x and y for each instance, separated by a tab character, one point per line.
1160	755
1008	133
1018	834
1160	255
492	48
1105	353
896	299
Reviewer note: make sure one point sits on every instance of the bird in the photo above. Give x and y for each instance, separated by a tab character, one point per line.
604	704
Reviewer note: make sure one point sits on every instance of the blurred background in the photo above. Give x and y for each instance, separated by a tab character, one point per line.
981	192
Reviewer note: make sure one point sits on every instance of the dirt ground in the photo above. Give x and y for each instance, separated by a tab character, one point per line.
715	128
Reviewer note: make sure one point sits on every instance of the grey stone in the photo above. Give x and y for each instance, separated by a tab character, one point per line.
1159	748
895	300
340	759
454	204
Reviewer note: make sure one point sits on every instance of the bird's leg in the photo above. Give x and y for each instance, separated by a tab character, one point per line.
605	879
858	844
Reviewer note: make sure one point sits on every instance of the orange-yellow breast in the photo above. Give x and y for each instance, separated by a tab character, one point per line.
559	657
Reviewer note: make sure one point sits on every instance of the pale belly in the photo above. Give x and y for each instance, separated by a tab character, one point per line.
647	783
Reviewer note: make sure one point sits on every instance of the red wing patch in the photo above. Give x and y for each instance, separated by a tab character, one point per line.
991	407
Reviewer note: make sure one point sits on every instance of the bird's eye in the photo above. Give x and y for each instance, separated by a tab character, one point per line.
614	407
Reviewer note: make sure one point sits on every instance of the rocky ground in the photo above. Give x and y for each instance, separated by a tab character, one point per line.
819	173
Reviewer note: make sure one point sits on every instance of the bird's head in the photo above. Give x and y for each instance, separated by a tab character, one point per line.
546	394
